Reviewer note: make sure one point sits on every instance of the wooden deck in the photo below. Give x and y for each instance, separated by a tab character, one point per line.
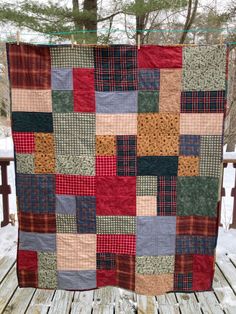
15	300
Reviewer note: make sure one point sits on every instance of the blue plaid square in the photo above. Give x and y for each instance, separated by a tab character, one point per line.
86	214
183	282
149	79
195	245
190	145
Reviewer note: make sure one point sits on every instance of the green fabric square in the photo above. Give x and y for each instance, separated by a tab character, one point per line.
66	223
47	260
146	186
197	196
24	163
80	165
148	101
210	155
62	101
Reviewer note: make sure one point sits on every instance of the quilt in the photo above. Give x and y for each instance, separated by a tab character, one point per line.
118	154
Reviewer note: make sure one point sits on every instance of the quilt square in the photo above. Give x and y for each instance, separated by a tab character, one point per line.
28	278
80	165
203	272
188	166
106	165
24	163
191	244
125	271
41	223
184	263
62	79
106	261
66	223
27	260
32	122
197	225
44	163
146	185
35	241
36	193
149	265
116	225
106	277
62	101
116	68
183	281
116	124
166	195
126	155
75	185
76	280
146	206
65	204
86	214
157	165
23	142
148	79
160	283
190	145
105	145
148	101
116	243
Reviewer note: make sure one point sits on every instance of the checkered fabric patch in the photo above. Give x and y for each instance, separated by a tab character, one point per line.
118	156
116	68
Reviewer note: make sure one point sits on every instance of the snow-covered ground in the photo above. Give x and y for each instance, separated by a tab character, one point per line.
226	239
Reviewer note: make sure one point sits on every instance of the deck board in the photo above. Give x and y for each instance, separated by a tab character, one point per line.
109	300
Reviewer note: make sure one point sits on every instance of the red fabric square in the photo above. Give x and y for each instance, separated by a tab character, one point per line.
27	260
116	195
75	185
159	57
203	272
106	166
24	142
84	91
116	243
106	278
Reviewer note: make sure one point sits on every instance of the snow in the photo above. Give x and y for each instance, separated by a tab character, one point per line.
226	239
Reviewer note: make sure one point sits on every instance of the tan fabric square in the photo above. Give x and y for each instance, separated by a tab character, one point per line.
76	251
170	90
105	145
31	100
158	134
44	163
201	123
188	166
116	124
44	143
146	205
154	284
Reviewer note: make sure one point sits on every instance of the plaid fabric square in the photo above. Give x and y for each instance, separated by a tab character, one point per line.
191	244
116	243
146	205
76	251
125	271
41	223
27	278
166	195
146	185
76	57
106	165
106	261
196	225
183	263
190	145
36	193
23	142
28	64
86	214
116	68
74	133
116	225
211	155
66	223
126	155
75	185
203	101
148	79
183	282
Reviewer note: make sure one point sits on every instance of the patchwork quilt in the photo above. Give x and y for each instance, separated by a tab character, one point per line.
118	154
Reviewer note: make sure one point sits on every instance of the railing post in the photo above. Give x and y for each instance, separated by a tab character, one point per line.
222	193
5	190
233	194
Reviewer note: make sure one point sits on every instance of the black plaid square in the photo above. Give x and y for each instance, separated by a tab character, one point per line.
86	214
106	261
126	155
116	68
183	282
190	145
166	195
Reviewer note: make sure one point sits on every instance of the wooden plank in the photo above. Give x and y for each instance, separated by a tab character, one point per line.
125	301
167	303
61	302
188	303
228	269
146	304
7	288
6	264
104	299
209	303
20	301
224	292
82	303
40	302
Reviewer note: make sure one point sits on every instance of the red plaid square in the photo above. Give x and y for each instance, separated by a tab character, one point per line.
27	278
183	263
116	243
24	142
75	185
106	278
106	166
196	225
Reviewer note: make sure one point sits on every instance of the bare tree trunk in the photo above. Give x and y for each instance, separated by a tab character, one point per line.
140	23
189	19
90	23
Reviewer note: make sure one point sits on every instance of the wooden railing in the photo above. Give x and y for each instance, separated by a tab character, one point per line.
5	190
